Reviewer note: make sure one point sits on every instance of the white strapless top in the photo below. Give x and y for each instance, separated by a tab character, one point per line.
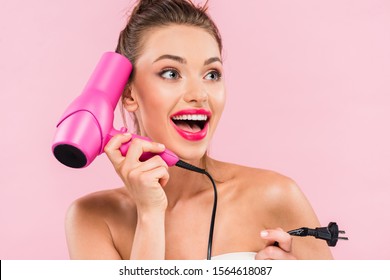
235	256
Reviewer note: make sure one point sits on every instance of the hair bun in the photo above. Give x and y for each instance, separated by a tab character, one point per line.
145	4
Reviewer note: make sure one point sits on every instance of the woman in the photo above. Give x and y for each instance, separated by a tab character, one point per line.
176	94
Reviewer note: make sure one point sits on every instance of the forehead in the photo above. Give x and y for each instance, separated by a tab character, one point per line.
181	40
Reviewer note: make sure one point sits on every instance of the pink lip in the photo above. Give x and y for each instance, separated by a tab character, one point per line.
190	135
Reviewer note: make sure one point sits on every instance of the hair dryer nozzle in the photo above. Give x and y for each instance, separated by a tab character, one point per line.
78	140
70	155
88	120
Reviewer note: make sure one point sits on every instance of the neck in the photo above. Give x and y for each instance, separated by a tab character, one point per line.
184	184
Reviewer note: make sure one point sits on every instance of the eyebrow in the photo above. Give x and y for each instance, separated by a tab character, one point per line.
211	60
184	61
172	57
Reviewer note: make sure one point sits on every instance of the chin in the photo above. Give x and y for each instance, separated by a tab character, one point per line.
192	154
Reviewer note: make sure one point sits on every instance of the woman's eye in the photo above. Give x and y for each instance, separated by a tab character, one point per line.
170	74
213	75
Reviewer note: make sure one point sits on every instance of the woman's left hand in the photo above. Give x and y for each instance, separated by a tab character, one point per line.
271	252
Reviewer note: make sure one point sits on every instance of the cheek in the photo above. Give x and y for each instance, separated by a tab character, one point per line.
155	107
152	110
218	101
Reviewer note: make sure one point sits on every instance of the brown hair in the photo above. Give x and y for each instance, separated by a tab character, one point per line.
148	14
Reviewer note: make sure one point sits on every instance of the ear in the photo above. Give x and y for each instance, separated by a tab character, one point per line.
129	100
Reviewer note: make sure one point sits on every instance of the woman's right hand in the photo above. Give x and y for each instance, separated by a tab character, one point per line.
144	180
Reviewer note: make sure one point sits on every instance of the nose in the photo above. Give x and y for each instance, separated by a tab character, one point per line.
195	92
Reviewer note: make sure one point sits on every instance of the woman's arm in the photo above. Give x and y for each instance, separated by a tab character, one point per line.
290	210
149	239
144	182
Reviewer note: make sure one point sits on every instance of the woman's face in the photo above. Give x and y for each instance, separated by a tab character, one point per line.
178	92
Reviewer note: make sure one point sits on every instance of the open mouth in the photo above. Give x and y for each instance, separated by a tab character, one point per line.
191	123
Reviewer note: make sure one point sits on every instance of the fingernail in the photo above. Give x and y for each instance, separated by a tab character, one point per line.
264	233
162	146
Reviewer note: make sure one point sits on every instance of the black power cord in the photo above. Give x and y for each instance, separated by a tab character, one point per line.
329	233
191	167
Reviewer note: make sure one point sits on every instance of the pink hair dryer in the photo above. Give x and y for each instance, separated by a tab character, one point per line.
87	124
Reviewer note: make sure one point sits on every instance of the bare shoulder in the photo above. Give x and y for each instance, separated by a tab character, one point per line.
270	183
270	193
102	203
91	223
277	190
273	200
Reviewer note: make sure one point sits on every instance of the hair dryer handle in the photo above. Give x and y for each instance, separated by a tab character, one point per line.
168	156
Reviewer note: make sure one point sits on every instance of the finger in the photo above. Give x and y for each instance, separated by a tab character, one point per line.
139	146
162	174
112	147
152	163
273	253
155	176
283	238
165	178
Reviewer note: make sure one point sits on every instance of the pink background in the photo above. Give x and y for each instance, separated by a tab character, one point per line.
308	96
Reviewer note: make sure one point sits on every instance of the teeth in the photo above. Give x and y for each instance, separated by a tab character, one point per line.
190	118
